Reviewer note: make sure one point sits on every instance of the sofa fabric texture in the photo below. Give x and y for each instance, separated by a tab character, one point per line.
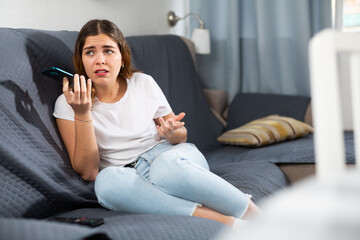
37	181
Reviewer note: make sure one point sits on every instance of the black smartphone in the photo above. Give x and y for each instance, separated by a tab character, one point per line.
57	74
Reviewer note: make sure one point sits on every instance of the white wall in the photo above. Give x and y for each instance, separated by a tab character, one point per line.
133	17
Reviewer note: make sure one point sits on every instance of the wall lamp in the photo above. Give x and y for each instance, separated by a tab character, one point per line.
200	36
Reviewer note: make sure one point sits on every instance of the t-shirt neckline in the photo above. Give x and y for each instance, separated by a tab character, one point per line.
117	102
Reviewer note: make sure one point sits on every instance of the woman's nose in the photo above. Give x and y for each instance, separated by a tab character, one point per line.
100	59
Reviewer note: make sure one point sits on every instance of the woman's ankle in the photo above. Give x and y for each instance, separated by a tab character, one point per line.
208	213
252	210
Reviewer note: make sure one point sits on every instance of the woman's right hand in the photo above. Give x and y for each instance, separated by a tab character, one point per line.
79	135
78	98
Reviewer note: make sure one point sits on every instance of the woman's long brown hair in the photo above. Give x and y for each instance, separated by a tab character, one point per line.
93	28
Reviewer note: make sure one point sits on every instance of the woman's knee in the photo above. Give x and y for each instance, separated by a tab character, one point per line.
111	180
176	164
183	153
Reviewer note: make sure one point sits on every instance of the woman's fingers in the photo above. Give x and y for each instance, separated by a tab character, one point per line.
163	125
66	89
160	131
174	125
76	90
65	85
89	88
89	91
169	126
179	116
83	91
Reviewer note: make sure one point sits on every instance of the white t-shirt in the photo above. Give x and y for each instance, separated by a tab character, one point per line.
124	129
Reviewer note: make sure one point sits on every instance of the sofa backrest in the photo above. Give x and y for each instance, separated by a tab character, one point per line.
36	177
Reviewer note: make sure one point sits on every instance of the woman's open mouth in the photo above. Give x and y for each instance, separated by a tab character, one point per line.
101	72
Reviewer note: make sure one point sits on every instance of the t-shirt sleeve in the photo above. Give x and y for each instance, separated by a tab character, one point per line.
164	107
62	109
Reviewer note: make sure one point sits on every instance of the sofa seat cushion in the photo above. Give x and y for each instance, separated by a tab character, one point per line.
121	225
299	150
260	179
29	229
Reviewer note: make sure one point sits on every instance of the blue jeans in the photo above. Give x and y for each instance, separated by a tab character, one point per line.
168	179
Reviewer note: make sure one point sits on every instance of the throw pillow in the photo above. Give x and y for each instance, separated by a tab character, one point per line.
264	131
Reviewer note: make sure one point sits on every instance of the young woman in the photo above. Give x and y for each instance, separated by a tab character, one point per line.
119	130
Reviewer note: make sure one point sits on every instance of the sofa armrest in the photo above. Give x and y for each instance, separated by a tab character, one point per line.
308	115
218	101
191	46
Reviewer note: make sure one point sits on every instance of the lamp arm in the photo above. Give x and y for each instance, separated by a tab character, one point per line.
200	36
201	22
173	19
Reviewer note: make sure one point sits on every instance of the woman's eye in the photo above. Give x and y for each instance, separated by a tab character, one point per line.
108	51
89	53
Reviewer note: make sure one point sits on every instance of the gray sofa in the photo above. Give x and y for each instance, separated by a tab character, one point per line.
37	181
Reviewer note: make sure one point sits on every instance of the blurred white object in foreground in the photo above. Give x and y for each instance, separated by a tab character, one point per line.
331	85
311	210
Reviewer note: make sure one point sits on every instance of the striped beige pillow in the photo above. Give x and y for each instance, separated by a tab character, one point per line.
264	131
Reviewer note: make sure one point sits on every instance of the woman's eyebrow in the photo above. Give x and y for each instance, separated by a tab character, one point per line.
108	46
89	47
104	46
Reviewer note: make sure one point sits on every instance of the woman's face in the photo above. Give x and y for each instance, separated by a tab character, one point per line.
102	59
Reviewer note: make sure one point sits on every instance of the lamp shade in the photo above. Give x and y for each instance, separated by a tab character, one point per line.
201	39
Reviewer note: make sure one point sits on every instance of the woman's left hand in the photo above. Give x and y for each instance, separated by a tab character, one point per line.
167	128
